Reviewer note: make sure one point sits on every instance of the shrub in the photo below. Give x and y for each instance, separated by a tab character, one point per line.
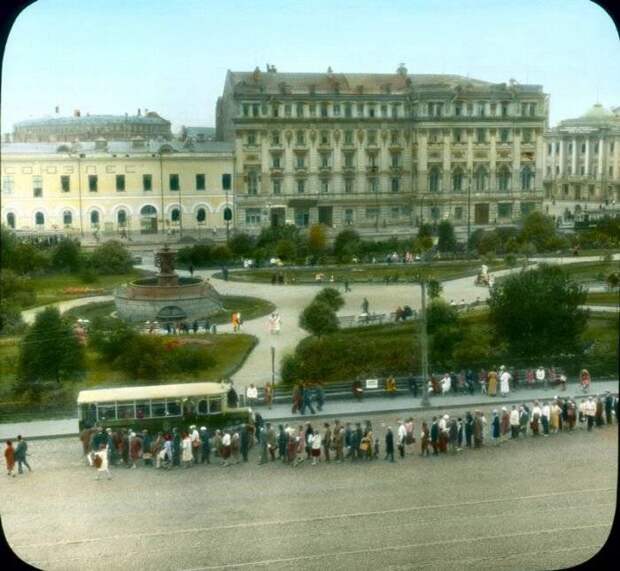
66	256
286	249
331	297
241	244
434	289
439	315
191	359
318	319
111	258
447	238
347	244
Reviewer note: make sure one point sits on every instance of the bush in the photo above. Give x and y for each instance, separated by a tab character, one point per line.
241	244
331	297
439	315
88	276
286	249
318	319
447	238
110	337
67	256
347	244
190	359
142	357
111	258
434	289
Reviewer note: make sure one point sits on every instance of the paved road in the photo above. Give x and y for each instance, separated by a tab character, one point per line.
533	504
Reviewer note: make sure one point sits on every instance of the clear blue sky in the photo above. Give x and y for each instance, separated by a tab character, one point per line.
171	56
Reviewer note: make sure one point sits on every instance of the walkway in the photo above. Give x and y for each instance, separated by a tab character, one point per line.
28	315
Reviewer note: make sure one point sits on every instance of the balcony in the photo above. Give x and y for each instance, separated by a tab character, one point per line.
325	169
372	169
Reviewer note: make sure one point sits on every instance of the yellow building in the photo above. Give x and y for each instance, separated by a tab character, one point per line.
106	189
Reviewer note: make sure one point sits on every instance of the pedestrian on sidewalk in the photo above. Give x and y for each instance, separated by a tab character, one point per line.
495	428
590	412
492	389
524	419
609	404
598	416
469	429
504	423
389	444
504	381
251	394
21	451
545	417
186	450
9	458
268	395
536	418
205	442
556	412
327	440
453	432
515	425
478	429
101	462
316	447
424	439
402	437
339	437
435	436
226	448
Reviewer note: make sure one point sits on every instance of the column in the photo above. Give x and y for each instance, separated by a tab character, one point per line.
561	159
587	157
470	149
538	165
422	161
601	153
516	162
574	157
493	161
446	160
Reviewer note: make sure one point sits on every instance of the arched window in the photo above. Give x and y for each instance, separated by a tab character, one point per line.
67	218
121	217
148	210
527	178
227	214
39	219
175	215
201	215
434	182
94	217
503	179
481	179
10	220
148	219
457	180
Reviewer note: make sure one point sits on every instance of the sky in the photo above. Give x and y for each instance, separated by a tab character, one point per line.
171	56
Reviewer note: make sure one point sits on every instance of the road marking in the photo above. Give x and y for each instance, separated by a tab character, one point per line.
251	524
394	548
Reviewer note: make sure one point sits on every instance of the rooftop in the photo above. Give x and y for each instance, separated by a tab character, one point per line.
175	391
149	118
596	116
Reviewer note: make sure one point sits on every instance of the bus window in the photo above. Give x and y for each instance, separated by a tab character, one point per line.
126	411
203	407
158	408
143	410
174	408
215	405
107	412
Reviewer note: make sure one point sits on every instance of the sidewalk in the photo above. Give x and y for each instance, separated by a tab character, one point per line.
339	408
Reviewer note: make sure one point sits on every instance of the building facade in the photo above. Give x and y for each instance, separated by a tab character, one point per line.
90	127
381	152
582	164
117	188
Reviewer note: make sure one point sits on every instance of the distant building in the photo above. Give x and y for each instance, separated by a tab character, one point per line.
382	153
197	134
582	163
90	127
113	188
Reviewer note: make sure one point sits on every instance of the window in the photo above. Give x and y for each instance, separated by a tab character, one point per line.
300	109
373	184
10	220
550	148
493	109
302	217
481	108
395	160
215	405
121	217
504	210
583	148
480	135
348	185
7	185
582	170
565	189
324	109
276	186
348	216
324	137
255	110
37	186
120	183
39	219
301	162
94	218
275	110
527	178
435	213
527	136
226	181
434	180
570	147
92	183
371	111
360	109
301	186
288	110
481	179
458	136
395	110
251	138
395	184
527	207
384	111
252	183
324	186
201	215
175	215
395	137
458	213
275	161
174	182
67	218
312	109
504	109
611	147
595	147
275	138
336	110
252	216
503	179
147	182
372	137
348	160
65	183
372	213
200	182
348	110
470	109
246	110
523	109
395	212
348	137
325	160
532	109
300	139
457	181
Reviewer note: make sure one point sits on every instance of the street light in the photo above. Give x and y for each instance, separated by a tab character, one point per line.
424	346
468	211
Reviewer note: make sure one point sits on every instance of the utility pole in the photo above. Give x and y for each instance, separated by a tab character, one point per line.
468	213
424	347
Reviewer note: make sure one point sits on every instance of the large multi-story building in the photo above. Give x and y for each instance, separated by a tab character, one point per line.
117	188
90	127
381	152
582	163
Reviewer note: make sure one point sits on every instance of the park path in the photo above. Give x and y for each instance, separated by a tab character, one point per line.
28	315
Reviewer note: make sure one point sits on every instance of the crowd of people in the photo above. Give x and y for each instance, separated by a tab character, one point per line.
339	442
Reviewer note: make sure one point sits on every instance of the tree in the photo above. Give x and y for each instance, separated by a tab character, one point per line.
143	358
443	329
434	289
318	319
317	239
66	256
50	350
110	337
15	294
539	230
425	231
221	254
537	313
447	239
111	258
439	314
286	249
330	296
241	244
347	244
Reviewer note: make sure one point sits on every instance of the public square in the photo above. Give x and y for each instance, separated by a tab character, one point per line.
537	503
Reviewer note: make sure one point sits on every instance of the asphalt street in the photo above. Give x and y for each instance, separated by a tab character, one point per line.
532	504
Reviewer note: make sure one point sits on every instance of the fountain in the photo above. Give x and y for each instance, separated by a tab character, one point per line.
167	297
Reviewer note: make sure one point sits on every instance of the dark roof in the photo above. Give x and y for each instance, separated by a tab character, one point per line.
150	118
196	131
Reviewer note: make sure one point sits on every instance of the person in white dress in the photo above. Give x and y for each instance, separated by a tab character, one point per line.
446	384
504	381
186	450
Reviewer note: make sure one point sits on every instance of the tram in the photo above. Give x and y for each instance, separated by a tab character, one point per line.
160	407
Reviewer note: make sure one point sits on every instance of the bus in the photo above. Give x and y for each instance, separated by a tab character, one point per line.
160	407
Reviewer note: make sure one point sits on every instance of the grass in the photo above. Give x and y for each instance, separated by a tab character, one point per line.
591	271
603	298
366	273
50	288
229	350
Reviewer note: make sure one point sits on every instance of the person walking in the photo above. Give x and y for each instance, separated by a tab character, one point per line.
495	428
268	395
226	448
590	412
9	458
251	394
609	404
339	442
536	418
205	443
504	381
492	378
469	429
147	448
135	449
196	444
235	447
424	439
316	447
524	419
545	417
21	451
554	419
402	438
478	429
453	433
504	423
186	449
365	306
272	441
101	462
515	425
389	444
598	416
327	440
435	436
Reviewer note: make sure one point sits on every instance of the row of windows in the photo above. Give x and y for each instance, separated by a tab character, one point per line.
481	135
594	148
120	183
581	170
350	110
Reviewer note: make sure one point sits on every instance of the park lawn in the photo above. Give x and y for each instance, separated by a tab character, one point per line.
603	298
367	273
50	288
589	271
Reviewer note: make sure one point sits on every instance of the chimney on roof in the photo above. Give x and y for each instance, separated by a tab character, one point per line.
402	70
76	113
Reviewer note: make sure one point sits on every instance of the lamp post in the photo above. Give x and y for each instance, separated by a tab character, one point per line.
424	346
273	366
468	211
